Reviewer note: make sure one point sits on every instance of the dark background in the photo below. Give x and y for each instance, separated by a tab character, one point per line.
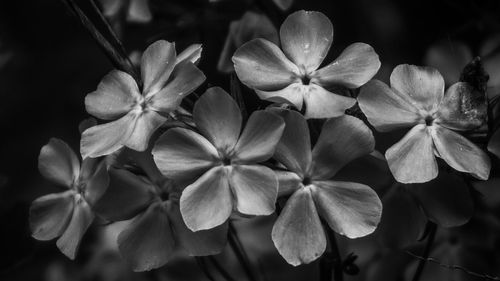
50	63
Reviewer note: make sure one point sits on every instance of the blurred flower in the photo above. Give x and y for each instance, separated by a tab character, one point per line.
252	25
67	214
167	79
283	4
494	144
449	58
156	232
136	11
220	163
291	75
350	209
416	99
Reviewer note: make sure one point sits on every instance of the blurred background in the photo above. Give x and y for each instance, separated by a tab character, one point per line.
48	63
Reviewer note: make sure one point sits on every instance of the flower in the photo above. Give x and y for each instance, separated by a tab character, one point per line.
156	232
292	75
167	79
251	25
221	163
137	11
350	209
67	214
416	99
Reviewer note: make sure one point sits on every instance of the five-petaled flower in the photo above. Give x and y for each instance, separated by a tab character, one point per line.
166	78
292	75
67	214
351	209
416	99
222	162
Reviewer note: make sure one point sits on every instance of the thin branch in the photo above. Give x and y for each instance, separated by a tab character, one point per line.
220	269
240	252
203	266
331	262
455	267
432	228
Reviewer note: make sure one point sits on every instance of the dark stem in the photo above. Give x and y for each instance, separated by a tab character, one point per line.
203	266
431	234
331	262
222	271
240	252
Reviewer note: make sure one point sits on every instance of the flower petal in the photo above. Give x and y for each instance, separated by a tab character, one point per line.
424	85
259	138
207	203
294	148
291	94
297	233
191	54
126	196
260	64
494	143
460	110
96	182
218	117
157	63
306	38
107	138
321	103
199	243
116	95
283	4
186	78
57	162
139	11
412	160
148	243
460	153
146	124
357	64
82	218
386	108
438	204
350	209
50	215
288	182
182	154
255	189
342	140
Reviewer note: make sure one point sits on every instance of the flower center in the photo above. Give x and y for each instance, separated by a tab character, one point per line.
226	161
306	181
306	79
429	120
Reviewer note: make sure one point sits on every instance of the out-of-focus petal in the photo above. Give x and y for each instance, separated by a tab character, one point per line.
424	85
126	196
181	154
260	64
306	38
255	189
148	243
494	143
50	215
412	160
107	138
294	148
82	218
445	200
283	4
207	203
199	243
157	63
357	64
259	138
57	162
186	78
321	103
288	182
116	94
386	108
342	140
146	124
297	233
191	54
350	209
219	119
460	153
449	58
291	94
95	183
460	110
139	11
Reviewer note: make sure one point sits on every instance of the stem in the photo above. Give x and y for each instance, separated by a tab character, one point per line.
240	252
331	262
203	266
432	228
221	269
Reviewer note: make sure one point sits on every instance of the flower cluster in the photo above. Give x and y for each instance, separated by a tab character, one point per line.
179	183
